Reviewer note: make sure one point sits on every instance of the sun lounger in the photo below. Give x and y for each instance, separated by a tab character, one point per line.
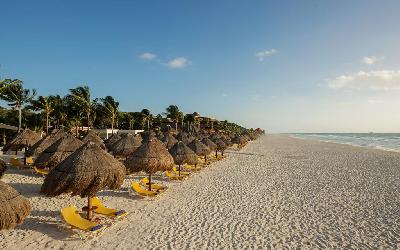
40	171
72	217
181	173
174	177
157	187
143	192
16	163
193	168
110	212
29	161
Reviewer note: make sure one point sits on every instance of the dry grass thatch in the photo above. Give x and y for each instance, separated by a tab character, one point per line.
220	144
150	157
209	143
169	141
41	145
58	151
126	145
24	139
14	208
85	172
93	137
199	148
3	167
183	154
113	139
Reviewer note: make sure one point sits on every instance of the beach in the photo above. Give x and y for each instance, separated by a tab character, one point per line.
276	192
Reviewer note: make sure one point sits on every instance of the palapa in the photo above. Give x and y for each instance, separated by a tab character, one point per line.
200	149
209	143
126	145
85	172
3	167
169	141
150	157
183	154
58	151
93	137
46	142
14	207
24	139
221	146
113	139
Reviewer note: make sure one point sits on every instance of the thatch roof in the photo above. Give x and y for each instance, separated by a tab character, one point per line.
220	144
151	156
147	135
126	145
3	167
58	151
14	208
41	145
209	143
85	172
169	141
199	148
93	137
110	141
22	140
184	137
183	154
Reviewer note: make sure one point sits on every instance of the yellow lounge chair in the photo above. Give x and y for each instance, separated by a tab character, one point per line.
156	187
192	168
143	192
29	161
174	177
72	217
16	163
182	172
40	171
110	212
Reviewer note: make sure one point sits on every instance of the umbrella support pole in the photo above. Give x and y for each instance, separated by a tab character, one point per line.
149	182
179	170
89	209
205	159
216	154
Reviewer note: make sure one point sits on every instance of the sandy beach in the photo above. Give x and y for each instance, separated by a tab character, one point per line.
277	192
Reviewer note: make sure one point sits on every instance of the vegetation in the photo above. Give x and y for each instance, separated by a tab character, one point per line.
78	109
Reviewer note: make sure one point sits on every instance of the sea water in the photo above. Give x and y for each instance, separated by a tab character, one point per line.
384	141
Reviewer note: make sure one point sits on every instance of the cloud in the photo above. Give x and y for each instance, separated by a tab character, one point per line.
373	80
224	94
264	54
373	101
370	60
147	56
178	63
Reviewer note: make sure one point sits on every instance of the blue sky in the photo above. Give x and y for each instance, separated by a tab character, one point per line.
286	66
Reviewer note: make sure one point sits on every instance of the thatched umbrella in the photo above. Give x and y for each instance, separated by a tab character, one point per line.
14	207
25	139
113	139
148	135
41	145
200	149
150	157
85	172
126	145
93	137
209	143
183	154
183	137
221	146
3	167
58	151
169	141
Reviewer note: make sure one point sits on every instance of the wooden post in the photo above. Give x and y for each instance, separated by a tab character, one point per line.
216	154
149	182
179	170
205	159
89	209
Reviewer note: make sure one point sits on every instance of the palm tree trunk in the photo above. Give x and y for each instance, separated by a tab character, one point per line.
148	124
47	123
88	122
19	118
112	124
176	125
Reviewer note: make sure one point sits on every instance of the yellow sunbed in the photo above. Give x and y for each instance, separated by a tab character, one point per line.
157	187
72	217
101	209
16	163
29	161
41	171
143	192
173	176
193	168
182	172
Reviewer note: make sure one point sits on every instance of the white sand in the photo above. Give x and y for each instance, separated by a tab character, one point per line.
277	192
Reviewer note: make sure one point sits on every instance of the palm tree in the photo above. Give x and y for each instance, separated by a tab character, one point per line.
173	112
46	104
14	93
147	117
80	97
110	107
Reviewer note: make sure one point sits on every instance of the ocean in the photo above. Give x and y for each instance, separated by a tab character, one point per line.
383	141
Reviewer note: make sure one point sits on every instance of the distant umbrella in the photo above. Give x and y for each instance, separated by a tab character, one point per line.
183	154
126	145
209	143
183	137
58	151
3	167
199	148
110	141
221	146
85	172
93	137
169	141
148	135
150	157
41	145
22	140
14	208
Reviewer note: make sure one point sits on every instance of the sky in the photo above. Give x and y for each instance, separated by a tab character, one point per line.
284	66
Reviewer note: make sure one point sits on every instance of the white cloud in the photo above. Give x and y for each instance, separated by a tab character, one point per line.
178	63
373	101
224	94
264	54
374	80
370	60
147	56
